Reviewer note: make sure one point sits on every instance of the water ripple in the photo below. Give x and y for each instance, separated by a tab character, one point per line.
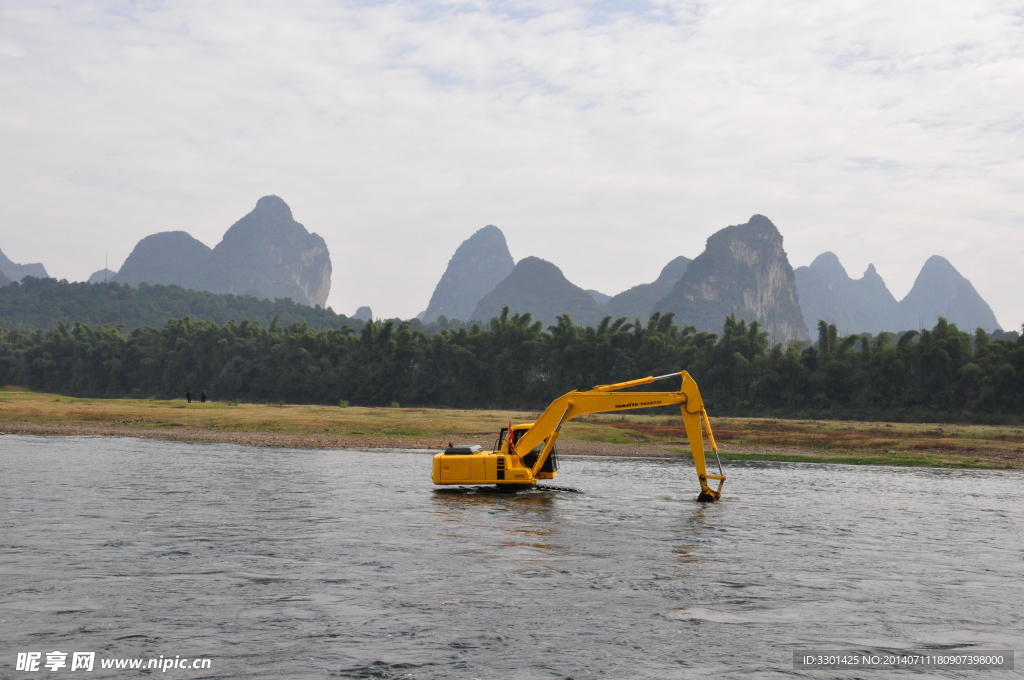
285	563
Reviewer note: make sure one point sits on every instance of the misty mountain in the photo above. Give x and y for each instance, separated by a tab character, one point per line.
3	279
940	290
599	297
266	254
270	254
865	305
364	313
827	293
478	265
102	276
16	272
539	287
743	271
638	302
167	258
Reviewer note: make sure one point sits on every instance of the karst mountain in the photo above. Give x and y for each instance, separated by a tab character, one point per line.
478	265
168	258
539	287
865	305
638	302
743	271
827	293
102	276
940	290
12	271
266	254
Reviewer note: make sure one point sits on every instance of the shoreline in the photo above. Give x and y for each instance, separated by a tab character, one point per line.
566	446
313	426
570	447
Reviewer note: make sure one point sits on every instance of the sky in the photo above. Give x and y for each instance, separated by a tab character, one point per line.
606	137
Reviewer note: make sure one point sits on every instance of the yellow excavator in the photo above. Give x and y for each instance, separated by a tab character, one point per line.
524	454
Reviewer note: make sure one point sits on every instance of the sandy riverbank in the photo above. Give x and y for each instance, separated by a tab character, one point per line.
314	426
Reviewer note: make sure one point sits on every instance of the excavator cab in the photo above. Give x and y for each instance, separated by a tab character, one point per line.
524	454
550	464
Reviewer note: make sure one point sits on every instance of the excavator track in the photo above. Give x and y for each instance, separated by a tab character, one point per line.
509	489
549	487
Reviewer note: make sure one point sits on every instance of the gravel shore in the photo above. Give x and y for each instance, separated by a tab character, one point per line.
566	446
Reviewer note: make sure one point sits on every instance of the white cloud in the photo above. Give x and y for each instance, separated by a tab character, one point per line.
606	140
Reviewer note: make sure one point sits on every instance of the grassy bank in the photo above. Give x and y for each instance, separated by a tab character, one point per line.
979	446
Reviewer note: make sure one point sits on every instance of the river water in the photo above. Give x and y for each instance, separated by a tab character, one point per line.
278	563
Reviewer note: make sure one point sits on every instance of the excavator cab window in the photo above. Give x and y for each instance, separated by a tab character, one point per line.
502	436
550	465
517	434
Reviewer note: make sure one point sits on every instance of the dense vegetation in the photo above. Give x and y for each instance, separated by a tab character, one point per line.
42	303
942	373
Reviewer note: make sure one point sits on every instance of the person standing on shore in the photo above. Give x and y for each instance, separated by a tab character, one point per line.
188	396
202	397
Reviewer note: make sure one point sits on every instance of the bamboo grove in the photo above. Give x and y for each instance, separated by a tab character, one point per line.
513	362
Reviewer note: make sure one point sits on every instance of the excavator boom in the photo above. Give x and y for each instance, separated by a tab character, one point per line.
525	453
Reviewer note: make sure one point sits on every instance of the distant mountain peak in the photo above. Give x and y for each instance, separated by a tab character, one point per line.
865	305
488	231
757	227
16	272
266	253
829	267
269	252
537	265
938	271
744	271
102	276
478	265
271	216
540	288
638	301
168	258
273	207
941	290
827	293
674	269
938	262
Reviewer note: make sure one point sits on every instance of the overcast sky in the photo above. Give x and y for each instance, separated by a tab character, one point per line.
606	137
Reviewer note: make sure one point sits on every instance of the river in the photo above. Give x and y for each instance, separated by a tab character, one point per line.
281	563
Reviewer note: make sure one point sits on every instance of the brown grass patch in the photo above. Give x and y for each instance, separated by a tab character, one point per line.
612	434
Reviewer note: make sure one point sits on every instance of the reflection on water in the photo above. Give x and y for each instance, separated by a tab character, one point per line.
523	521
280	563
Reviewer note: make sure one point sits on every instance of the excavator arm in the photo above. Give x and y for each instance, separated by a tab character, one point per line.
505	465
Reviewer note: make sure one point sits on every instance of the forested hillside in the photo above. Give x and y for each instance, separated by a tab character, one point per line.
512	362
40	303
